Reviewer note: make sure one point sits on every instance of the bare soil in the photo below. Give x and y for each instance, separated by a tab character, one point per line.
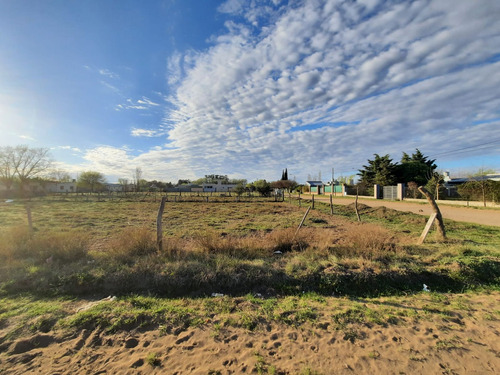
462	342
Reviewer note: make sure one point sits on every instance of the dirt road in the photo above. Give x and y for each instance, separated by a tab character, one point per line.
466	214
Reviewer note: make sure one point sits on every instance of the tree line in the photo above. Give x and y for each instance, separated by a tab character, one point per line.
22	165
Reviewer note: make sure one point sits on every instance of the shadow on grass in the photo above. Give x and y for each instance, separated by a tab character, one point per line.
204	275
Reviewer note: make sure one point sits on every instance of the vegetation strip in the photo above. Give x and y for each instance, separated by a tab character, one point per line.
238	248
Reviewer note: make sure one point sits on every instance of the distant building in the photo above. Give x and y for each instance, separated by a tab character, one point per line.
60	187
315	187
451	184
218	186
184	188
113	187
217	183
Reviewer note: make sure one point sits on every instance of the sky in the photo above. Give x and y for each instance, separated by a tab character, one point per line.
247	88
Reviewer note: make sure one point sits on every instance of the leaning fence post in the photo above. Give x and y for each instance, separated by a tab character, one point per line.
426	229
159	231
435	208
302	222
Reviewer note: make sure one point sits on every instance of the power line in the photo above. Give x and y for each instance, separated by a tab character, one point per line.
478	146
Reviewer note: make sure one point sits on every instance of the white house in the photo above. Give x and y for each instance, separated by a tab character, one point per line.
218	186
60	187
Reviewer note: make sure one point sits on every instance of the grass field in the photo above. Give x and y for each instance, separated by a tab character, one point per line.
108	247
333	275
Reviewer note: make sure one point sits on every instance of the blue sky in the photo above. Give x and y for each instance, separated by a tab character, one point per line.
247	88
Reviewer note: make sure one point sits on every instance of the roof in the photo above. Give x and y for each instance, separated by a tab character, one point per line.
463	180
314	183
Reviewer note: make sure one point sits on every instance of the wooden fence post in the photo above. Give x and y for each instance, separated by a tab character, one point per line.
331	204
427	228
28	214
159	231
302	222
356	204
435	208
313	201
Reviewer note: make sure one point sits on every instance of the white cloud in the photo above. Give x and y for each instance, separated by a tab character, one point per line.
144	133
321	84
407	75
142	104
74	149
108	73
27	137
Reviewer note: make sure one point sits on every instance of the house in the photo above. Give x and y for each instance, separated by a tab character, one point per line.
334	188
60	187
184	188
315	187
451	184
114	188
218	186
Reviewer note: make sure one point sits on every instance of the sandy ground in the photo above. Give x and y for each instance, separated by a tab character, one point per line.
465	214
466	342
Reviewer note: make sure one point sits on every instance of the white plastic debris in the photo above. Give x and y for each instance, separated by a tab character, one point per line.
217	295
278	252
9	201
426	288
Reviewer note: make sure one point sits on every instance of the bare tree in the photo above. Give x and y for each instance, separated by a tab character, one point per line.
7	169
23	163
124	183
137	178
59	175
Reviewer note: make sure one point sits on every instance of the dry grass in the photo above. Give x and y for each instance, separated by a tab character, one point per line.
19	243
236	247
367	241
131	243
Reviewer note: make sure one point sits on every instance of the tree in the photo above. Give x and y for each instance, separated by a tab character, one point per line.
250	187
137	178
380	170
435	184
59	175
124	184
22	163
284	175
239	189
417	168
346	180
7	169
91	180
479	186
284	184
263	187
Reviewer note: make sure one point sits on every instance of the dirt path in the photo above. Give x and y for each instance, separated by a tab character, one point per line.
427	334
466	214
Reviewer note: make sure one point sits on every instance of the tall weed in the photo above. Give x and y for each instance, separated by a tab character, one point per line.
131	243
367	241
19	243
